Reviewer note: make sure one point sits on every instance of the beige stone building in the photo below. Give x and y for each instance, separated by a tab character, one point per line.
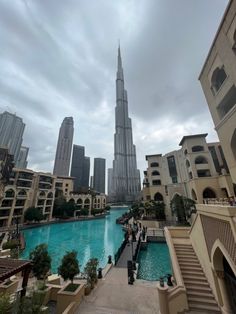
204	256
25	189
198	171
218	80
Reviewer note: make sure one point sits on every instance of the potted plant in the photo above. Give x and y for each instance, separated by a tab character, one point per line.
69	268
91	271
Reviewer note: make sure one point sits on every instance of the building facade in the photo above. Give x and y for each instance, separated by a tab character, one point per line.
22	158
99	174
125	175
218	80
80	168
64	146
26	189
11	133
197	171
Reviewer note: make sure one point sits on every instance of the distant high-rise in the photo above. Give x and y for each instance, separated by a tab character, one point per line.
11	133
64	145
86	172
99	175
91	182
80	168
22	159
125	175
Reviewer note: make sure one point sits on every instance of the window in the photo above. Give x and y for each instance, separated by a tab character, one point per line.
227	103
158	197
156	182
155	173
172	166
197	148
203	173
174	180
185	152
215	158
190	175
217	79
187	163
201	160
154	164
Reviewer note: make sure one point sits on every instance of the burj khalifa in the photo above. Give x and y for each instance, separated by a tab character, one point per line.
124	177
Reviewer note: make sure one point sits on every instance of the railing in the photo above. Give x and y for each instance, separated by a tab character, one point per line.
219	201
137	249
119	251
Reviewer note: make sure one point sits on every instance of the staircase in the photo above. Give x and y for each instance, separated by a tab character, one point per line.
199	294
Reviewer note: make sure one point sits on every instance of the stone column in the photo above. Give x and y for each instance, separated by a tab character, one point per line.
226	308
163	299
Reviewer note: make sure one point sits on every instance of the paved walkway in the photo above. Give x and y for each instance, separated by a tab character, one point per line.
126	255
113	295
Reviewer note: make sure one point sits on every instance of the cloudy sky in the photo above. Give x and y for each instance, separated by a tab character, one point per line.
58	58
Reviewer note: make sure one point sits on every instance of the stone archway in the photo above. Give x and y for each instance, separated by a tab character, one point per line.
225	281
208	193
158	197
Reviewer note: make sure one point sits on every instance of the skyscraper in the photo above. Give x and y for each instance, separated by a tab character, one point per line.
64	145
125	175
11	133
80	168
22	158
99	171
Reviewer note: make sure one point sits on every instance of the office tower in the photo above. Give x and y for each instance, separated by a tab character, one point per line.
11	133
86	172
80	168
99	175
64	145
91	182
77	165
22	159
126	177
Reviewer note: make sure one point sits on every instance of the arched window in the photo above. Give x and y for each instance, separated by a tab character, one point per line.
71	201
201	160
86	203
158	197
42	194
155	173
187	163
50	195
190	175
233	144
22	193
10	193
217	79
79	201
185	152
208	193
197	148
154	164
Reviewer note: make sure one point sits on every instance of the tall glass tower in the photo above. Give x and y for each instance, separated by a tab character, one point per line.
125	176
64	145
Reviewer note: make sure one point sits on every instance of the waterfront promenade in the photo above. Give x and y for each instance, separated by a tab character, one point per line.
113	295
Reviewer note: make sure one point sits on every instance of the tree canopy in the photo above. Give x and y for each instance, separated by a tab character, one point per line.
33	214
41	261
69	266
182	207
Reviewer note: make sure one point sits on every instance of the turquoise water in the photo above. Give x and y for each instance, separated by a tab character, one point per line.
92	238
154	262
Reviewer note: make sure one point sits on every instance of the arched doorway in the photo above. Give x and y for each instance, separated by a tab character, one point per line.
226	281
158	197
208	193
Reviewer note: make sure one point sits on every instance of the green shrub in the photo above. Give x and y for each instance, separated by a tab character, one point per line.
11	244
84	212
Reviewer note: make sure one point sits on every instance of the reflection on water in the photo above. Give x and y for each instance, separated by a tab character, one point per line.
93	238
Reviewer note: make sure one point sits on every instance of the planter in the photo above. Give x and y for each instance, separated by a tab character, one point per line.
87	289
10	287
64	297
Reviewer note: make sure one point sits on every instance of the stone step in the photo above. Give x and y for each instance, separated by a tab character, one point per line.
205	308
202	293
192	288
188	262
182	245
185	253
187	259
191	267
192	272
196	282
200	277
202	300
